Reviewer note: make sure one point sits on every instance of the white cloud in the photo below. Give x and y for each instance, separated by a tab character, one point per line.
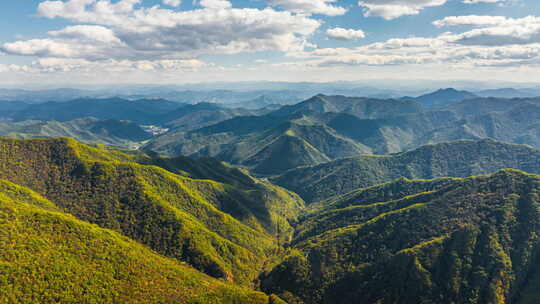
470	20
121	30
493	30
66	65
322	7
90	32
344	34
39	47
112	38
174	3
391	9
482	1
411	42
216	4
493	41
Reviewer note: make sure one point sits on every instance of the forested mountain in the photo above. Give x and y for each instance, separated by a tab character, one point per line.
472	240
116	122
315	131
196	229
90	130
200	231
325	128
145	111
225	228
443	98
9	108
507	93
455	159
48	256
196	116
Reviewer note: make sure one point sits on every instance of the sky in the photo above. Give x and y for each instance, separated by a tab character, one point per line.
73	42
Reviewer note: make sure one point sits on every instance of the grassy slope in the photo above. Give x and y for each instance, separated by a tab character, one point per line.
457	159
220	229
472	240
47	256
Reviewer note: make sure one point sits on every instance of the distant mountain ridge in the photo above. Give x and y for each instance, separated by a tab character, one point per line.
112	132
144	111
506	93
455	159
325	128
443	98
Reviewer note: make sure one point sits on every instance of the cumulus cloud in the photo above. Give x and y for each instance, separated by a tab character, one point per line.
174	3
322	7
344	34
470	20
90	32
216	4
494	30
124	35
492	41
39	47
66	65
391	9
123	30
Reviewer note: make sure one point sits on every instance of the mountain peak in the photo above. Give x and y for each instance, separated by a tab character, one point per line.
444	97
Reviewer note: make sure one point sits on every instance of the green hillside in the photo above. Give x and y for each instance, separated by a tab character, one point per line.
225	230
443	97
190	117
455	159
89	130
302	141
335	127
472	240
47	256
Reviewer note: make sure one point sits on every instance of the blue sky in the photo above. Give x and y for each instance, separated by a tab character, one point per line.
155	41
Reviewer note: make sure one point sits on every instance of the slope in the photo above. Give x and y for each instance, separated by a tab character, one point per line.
338	126
443	98
291	144
88	130
222	230
455	159
190	117
47	256
145	111
471	240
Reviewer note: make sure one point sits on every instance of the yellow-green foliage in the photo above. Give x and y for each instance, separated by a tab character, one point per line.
461	240
225	230
49	257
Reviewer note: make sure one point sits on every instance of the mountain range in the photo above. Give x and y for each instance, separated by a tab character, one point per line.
324	128
219	227
471	240
140	227
110	132
444	97
455	159
49	256
331	200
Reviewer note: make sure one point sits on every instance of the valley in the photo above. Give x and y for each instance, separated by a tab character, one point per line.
270	152
331	200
